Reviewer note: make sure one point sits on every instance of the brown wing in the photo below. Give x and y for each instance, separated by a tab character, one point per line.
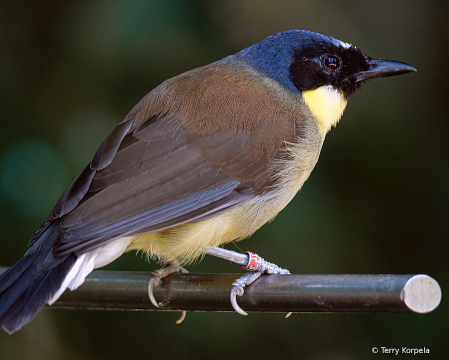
165	164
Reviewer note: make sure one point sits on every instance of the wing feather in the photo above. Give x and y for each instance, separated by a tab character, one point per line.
156	182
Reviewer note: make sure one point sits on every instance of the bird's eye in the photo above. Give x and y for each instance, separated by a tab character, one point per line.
331	62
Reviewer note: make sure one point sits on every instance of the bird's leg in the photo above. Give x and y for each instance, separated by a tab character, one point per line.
251	262
156	277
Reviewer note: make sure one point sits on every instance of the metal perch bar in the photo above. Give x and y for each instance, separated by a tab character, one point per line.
118	290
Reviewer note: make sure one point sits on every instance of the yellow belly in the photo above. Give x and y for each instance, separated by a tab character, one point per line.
187	242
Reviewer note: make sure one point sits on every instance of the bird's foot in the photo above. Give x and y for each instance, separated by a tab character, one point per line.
249	261
257	266
156	277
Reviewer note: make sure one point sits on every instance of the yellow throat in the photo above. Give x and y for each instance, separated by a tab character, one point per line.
326	104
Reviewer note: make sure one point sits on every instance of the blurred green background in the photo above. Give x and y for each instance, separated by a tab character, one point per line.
377	202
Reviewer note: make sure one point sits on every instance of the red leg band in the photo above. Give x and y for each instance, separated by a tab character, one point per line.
253	261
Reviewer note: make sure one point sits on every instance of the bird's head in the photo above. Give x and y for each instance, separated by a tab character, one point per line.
344	67
326	71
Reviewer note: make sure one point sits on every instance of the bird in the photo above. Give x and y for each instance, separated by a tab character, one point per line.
205	158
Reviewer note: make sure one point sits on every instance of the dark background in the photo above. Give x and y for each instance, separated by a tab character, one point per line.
377	202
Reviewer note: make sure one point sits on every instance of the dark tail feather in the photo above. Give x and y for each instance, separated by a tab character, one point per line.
26	286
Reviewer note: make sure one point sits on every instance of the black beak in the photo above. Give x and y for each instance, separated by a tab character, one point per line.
383	68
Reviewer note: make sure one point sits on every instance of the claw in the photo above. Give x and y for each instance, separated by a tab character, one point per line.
238	288
154	281
235	305
182	317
